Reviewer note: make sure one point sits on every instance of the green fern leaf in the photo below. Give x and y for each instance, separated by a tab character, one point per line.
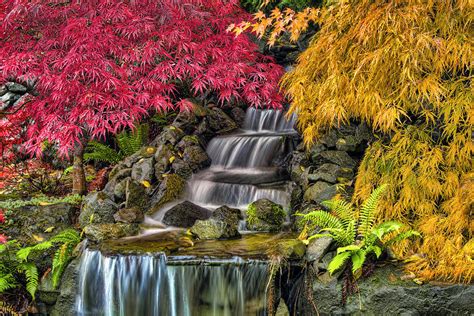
7	281
67	236
341	209
338	261
31	274
323	219
402	236
23	253
358	259
96	151
368	210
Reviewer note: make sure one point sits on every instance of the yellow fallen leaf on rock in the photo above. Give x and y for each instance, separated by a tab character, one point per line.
49	229
37	238
172	158
146	184
43	203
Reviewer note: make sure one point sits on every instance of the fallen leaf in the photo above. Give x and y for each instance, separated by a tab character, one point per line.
49	229
146	184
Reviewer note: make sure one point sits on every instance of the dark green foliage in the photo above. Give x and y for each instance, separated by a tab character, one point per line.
127	142
267	5
17	266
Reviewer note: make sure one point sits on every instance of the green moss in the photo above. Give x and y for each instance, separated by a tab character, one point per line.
14	204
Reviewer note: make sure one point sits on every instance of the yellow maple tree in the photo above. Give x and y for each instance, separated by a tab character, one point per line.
405	67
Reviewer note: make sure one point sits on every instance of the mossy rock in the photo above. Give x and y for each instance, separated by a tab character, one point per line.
97	208
265	215
170	189
101	232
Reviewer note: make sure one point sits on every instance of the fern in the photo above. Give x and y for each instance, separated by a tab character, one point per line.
127	142
96	151
323	219
7	281
338	262
368	210
31	274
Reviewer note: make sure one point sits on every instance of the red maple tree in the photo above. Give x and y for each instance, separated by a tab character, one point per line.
99	66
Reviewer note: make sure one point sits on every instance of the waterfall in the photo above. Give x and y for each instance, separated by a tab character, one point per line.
244	167
129	285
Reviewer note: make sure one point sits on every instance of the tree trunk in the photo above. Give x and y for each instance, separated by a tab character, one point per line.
78	174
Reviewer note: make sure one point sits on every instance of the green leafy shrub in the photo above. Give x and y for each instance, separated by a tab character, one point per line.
17	266
355	231
128	143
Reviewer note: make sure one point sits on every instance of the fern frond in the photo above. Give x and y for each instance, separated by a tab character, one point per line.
131	142
23	253
31	274
338	261
368	210
67	236
96	151
7	281
341	209
358	259
323	219
60	260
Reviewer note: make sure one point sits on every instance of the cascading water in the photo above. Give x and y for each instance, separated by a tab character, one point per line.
129	285
244	169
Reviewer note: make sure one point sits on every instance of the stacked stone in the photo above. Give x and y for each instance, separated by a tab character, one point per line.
145	181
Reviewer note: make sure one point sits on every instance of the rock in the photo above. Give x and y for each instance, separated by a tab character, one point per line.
101	232
220	122
120	189
238	115
330	139
299	165
15	87
265	215
231	216
132	159
67	290
129	215
337	157
379	294
162	159
170	189
182	168
348	143
119	172
185	214
317	248
3	90
203	130
186	121
196	157
330	173
320	191
143	170
188	141
148	151
317	149
135	195
223	223
170	135
323	263
209	229
29	221
98	206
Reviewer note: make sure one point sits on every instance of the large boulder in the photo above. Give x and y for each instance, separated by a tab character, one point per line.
330	173
116	176
265	215
182	168
97	208
223	224
170	135
101	232
185	214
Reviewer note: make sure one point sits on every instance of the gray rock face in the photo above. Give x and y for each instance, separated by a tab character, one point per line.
162	160
238	115
99	206
265	215
182	168
143	170
169	190
320	191
185	214
67	290
330	173
381	296
170	135
317	248
101	232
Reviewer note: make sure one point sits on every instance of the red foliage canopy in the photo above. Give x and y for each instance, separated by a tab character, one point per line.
99	66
